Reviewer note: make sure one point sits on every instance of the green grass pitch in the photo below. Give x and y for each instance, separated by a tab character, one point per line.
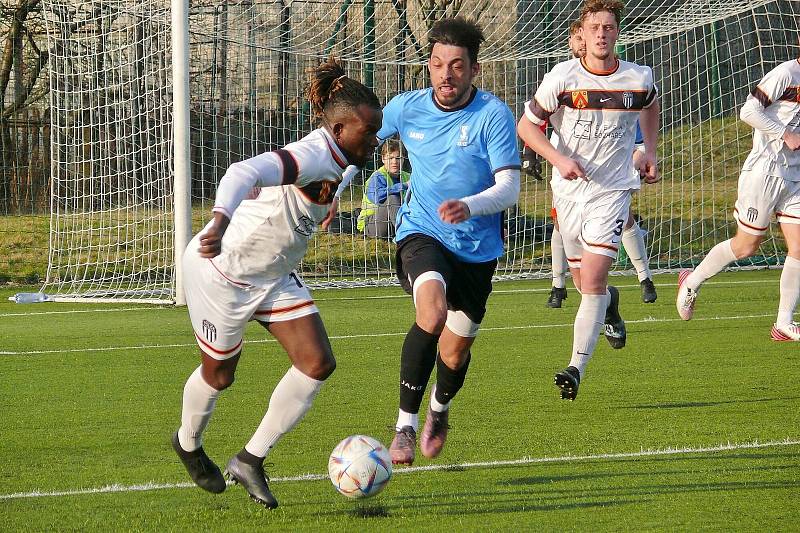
90	399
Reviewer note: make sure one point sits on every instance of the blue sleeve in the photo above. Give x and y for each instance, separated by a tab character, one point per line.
391	118
639	135
376	188
501	142
397	188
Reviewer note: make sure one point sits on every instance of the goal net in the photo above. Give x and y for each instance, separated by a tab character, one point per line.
112	223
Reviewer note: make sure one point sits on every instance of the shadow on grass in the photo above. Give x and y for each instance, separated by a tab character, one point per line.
370	511
681	405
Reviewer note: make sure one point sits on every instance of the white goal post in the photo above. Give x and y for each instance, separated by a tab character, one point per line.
150	102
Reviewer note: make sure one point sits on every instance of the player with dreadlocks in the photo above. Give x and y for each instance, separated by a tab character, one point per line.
241	267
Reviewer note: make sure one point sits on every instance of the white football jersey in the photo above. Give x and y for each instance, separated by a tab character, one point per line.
269	230
777	96
594	115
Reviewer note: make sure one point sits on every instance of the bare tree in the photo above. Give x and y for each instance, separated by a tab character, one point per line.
24	150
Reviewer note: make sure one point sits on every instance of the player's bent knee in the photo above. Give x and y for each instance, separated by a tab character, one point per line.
460	324
220	379
432	320
319	368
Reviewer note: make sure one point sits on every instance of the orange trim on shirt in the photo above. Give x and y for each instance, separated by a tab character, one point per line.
220	352
746	225
288	308
600	72
607	246
221	273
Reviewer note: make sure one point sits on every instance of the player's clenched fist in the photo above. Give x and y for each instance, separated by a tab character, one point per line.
211	240
453	211
570	169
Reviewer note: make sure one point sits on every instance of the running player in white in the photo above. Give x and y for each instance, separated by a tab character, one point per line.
240	267
600	99
632	235
769	184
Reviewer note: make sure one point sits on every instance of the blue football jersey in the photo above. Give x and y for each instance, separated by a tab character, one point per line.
454	153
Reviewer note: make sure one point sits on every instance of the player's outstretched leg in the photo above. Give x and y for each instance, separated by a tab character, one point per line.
201	468
557	295
404	445
615	330
568	380
686	296
247	470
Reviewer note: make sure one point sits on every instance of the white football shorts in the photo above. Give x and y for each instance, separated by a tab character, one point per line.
760	196
594	225
221	307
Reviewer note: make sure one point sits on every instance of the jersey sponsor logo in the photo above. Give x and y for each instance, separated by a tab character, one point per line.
582	129
416	135
627	99
580	99
463	139
752	214
609	131
209	331
305	226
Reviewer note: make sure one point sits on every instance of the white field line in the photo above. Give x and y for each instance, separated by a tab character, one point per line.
356	298
648	320
428	468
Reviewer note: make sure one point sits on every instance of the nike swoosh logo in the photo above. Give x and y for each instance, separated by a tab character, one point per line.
602	100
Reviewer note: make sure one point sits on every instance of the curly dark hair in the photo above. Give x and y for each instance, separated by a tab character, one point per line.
330	91
457	31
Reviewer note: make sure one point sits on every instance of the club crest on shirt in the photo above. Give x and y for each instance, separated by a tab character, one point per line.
752	214
627	99
463	140
580	99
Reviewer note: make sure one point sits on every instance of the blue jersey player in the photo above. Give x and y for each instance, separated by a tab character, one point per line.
462	145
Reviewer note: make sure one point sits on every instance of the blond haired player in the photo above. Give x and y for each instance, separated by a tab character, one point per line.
769	184
632	235
599	99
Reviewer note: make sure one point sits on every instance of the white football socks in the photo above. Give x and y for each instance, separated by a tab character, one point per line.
290	401
633	241
559	259
588	321
407	419
718	258
435	405
199	399
790	290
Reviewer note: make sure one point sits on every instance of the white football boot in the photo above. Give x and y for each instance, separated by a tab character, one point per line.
686	296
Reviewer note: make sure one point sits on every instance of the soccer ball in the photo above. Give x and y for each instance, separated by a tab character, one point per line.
360	467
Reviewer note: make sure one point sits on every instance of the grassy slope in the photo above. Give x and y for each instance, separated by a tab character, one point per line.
686	211
81	419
